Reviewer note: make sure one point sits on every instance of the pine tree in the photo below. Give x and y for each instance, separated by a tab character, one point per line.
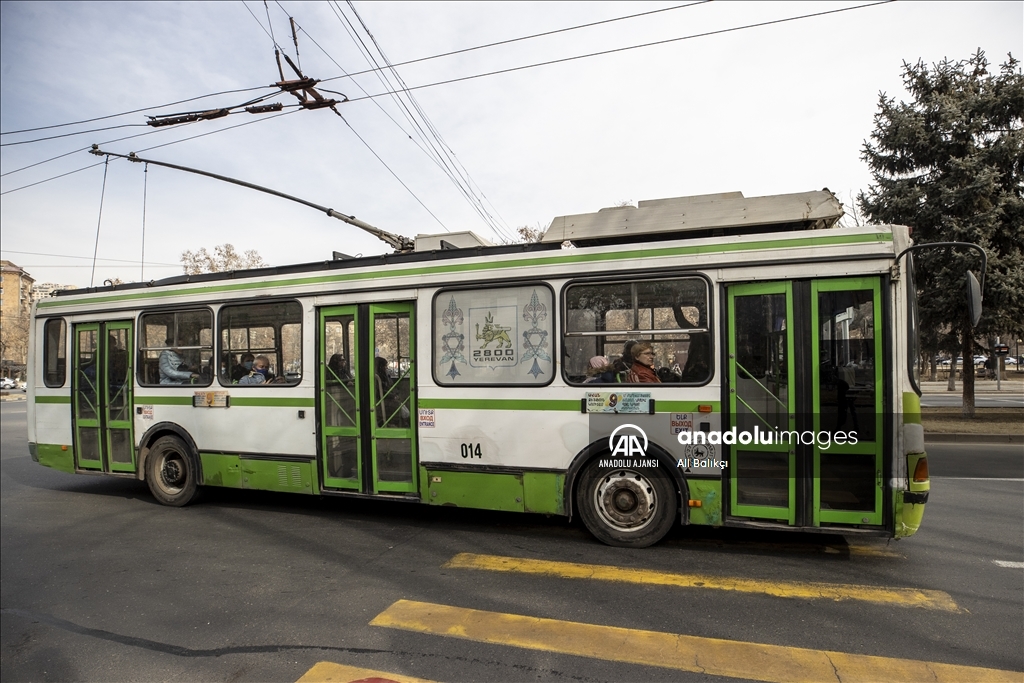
950	164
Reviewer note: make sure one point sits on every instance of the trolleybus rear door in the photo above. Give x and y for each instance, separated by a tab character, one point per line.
847	385
393	399
341	441
368	398
102	399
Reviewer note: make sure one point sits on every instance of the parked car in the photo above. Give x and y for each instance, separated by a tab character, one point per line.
7	383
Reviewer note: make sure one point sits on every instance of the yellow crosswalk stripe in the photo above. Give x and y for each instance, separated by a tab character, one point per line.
901	597
329	672
714	656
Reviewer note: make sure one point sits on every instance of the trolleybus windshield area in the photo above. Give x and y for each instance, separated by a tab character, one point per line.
640	367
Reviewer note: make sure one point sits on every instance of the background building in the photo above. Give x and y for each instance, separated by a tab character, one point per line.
45	289
15	310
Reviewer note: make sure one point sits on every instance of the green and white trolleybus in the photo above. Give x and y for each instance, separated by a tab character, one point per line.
465	374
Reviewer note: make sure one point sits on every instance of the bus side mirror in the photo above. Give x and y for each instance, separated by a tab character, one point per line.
973	299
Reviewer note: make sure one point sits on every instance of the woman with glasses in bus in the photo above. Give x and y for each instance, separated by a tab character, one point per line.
642	371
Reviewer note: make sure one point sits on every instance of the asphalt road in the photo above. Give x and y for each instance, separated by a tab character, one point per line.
99	583
955	400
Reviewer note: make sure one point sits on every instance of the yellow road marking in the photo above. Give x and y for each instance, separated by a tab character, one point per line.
901	597
329	672
754	661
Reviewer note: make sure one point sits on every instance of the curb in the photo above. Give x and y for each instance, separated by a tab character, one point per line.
974	438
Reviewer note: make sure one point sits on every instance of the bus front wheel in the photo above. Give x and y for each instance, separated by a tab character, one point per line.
171	472
627	508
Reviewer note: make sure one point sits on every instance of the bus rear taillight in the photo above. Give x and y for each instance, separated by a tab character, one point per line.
921	470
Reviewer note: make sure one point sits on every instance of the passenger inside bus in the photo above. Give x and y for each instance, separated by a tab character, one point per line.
338	369
600	371
642	370
260	373
173	369
243	368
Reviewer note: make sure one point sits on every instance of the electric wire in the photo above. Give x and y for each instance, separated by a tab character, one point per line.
86	258
67	135
435	146
99	220
136	111
146	149
354	132
624	49
446	153
529	37
107	142
145	191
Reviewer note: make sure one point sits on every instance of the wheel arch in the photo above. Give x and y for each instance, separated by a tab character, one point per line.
160	430
597	449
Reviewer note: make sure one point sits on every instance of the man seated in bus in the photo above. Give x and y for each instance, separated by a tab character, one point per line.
260	373
173	369
243	368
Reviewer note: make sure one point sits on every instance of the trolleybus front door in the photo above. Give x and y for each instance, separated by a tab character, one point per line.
805	376
102	403
367	396
762	472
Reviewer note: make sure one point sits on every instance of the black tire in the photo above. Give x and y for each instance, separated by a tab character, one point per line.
626	508
171	472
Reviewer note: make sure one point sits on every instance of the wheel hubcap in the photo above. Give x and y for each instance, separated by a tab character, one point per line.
172	473
626	500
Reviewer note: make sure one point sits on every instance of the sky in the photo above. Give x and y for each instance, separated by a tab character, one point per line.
772	109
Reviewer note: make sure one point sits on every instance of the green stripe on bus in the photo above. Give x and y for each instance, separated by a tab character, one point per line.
499	404
53	399
551	404
816	240
248	401
164	400
273	402
685	406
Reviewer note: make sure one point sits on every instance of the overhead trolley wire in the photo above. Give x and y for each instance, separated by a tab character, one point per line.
136	111
439	152
335	110
624	49
529	37
86	149
86	258
146	149
67	135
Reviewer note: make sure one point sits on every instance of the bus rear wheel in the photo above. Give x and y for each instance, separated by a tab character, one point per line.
626	508
171	472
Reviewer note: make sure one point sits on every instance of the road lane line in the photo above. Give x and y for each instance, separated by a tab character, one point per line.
329	672
714	656
901	597
1011	565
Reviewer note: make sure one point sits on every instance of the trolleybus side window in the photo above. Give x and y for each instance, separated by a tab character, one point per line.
55	352
184	339
494	336
261	343
671	314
